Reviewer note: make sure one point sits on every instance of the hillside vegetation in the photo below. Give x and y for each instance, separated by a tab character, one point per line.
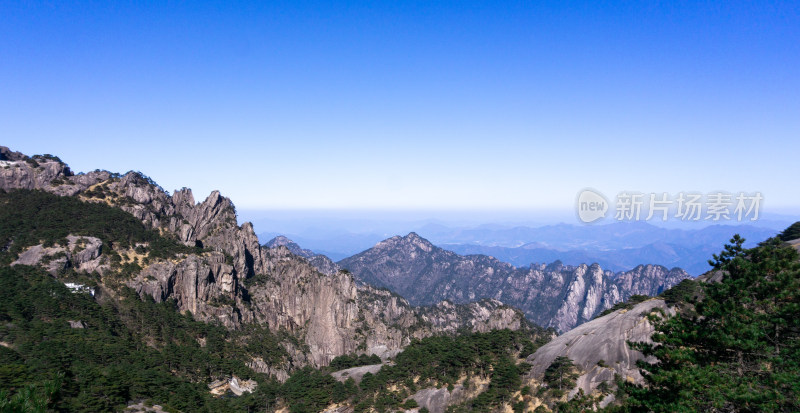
739	348
37	217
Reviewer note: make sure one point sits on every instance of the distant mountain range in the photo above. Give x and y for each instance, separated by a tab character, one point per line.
616	246
554	295
691	259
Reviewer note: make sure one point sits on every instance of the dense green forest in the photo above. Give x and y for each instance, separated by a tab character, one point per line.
431	362
737	346
347	361
129	349
140	350
36	217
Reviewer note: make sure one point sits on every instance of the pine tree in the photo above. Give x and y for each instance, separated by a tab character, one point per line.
740	350
561	375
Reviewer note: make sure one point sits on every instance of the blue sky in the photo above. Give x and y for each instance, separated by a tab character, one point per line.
411	105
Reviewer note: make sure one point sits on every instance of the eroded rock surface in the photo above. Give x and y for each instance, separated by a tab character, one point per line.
356	373
599	347
81	253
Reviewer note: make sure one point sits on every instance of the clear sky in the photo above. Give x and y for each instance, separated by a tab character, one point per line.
411	105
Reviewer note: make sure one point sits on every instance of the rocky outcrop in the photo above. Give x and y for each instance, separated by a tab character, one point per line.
80	253
20	171
10	156
204	285
481	316
356	373
282	241
437	400
234	385
554	295
280	373
599	348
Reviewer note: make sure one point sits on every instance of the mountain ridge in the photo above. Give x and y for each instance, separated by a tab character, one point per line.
552	295
233	280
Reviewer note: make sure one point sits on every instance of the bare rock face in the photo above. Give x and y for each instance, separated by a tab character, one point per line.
203	285
258	365
81	253
481	316
292	296
19	171
599	347
234	384
437	400
356	373
552	295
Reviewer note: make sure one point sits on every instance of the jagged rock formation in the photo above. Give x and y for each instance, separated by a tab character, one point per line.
322	263
236	281
552	295
482	316
599	347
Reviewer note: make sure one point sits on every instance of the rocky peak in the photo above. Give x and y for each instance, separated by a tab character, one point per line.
282	241
410	242
322	263
414	239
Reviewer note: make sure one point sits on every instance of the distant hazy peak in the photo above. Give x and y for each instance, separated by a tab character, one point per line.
278	241
293	247
410	241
